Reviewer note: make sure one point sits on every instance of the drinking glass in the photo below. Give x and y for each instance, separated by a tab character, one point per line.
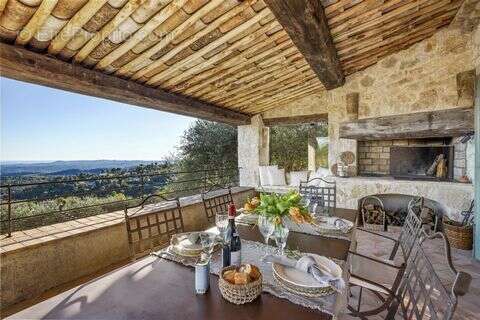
221	221
266	228
281	235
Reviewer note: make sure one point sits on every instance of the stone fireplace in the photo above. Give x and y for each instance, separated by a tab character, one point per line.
411	158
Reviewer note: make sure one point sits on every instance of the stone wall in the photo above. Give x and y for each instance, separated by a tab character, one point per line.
476	41
454	197
31	267
420	78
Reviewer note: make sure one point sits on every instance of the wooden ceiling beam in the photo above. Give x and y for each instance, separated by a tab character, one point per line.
307	26
24	65
441	123
285	121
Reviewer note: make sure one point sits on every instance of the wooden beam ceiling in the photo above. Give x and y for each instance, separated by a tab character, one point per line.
306	24
443	123
24	65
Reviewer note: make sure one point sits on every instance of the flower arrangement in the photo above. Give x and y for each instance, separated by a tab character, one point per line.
277	207
251	204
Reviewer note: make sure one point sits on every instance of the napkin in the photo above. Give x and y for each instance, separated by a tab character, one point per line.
308	264
341	225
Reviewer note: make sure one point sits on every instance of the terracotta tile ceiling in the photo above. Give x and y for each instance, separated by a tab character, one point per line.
230	53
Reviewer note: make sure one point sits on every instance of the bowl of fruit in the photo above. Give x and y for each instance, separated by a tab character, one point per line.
240	285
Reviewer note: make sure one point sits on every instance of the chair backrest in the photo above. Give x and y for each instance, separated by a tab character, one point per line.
410	234
421	294
216	201
321	191
150	230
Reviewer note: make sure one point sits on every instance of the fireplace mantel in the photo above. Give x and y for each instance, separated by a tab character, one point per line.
443	123
454	196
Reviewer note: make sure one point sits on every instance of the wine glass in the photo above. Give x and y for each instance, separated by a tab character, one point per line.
208	243
266	228
281	235
221	221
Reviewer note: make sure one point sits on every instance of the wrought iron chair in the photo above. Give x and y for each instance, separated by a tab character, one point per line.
216	201
418	292
148	231
321	192
363	275
411	231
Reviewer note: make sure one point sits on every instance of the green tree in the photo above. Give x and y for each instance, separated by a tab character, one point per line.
208	145
289	146
204	145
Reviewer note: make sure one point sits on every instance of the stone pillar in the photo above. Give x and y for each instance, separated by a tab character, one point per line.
312	147
338	145
477	170
253	151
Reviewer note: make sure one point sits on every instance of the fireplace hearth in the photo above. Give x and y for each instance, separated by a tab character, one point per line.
422	162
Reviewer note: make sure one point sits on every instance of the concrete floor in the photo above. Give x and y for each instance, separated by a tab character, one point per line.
468	306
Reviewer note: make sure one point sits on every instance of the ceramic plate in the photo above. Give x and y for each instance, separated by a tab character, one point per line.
327	223
183	244
301	279
247	218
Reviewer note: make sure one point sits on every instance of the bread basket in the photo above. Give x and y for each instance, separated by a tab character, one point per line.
239	293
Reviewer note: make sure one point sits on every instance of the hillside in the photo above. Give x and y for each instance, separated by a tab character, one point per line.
66	167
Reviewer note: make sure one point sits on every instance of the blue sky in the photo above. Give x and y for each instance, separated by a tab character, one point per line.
40	123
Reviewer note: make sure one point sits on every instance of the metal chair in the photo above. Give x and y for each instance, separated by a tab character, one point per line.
363	275
216	201
411	231
418	292
321	192
148	231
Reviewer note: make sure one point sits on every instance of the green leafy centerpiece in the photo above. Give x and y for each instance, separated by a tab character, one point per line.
277	207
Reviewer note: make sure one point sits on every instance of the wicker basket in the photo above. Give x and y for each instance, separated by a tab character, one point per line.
239	293
460	237
373	226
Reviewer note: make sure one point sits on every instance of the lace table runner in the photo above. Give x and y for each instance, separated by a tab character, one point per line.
252	252
302	228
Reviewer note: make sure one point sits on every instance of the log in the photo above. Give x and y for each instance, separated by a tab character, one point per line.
307	26
444	123
23	65
284	121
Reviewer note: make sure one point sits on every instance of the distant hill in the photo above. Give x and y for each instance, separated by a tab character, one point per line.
66	167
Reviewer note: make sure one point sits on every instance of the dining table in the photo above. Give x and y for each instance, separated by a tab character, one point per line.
156	288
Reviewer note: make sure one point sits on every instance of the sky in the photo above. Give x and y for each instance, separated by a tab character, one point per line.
43	124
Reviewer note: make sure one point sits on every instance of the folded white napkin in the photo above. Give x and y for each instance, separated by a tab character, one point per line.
341	225
308	264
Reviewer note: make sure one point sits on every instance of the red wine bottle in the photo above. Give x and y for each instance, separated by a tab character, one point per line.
233	244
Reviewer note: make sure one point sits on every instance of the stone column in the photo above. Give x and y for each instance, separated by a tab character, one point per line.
338	145
476	240
253	151
312	147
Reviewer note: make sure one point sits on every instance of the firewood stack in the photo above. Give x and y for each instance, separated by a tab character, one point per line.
395	218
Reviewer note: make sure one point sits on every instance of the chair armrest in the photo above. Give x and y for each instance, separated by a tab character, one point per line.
378	234
377	260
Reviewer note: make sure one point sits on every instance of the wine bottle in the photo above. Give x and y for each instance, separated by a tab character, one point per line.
232	239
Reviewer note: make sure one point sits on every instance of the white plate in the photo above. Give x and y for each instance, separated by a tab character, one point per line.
182	245
250	218
301	279
328	223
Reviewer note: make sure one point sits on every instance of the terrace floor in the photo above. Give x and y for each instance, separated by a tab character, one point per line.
468	306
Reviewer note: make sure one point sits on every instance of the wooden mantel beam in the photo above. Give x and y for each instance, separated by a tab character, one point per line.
307	26
24	65
431	124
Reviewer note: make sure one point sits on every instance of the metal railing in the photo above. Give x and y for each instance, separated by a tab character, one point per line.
33	204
